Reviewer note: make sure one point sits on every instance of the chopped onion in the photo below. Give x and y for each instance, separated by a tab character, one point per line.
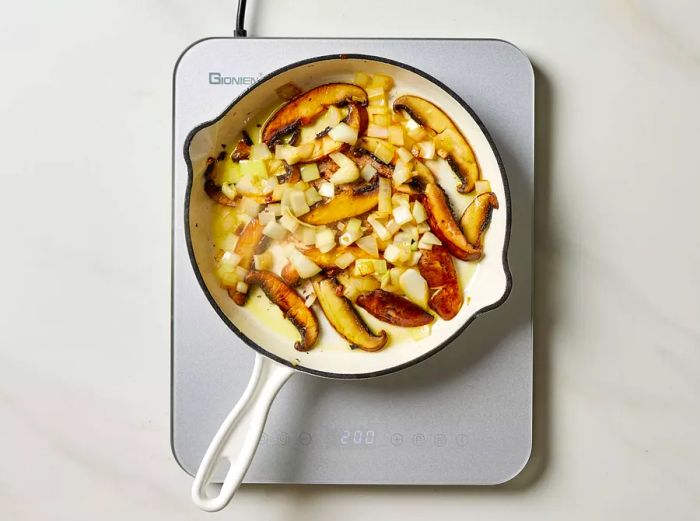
393	254
249	206
344	133
414	287
263	261
229	190
347	172
361	79
428	240
266	216
364	267
396	135
368	172
344	260
305	267
379	228
384	194
260	151
419	213
248	185
333	116
230	259
274	230
275	209
415	257
297	202
426	149
382	81
404	154
325	240
384	152
375	92
289	223
392	226
368	244
309	172
402	214
377	131
253	168
305	235
399	199
241	272
269	184
327	189
242	287
383	120
312	196
402	172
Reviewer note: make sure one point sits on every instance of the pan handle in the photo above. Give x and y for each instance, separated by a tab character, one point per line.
239	435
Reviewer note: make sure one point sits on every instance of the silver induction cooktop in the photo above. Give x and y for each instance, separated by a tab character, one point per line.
463	416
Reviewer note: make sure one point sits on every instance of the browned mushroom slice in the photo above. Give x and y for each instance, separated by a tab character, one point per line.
344	318
242	149
306	107
443	224
393	309
211	188
251	242
417	184
437	268
290	275
477	216
354	200
290	303
459	154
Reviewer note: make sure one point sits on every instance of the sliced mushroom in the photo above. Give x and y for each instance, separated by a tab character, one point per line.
251	242
211	188
290	303
353	200
443	224
344	318
393	309
290	274
417	184
306	107
242	150
476	218
437	268
460	155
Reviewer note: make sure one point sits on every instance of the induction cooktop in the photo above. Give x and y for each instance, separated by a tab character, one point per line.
462	417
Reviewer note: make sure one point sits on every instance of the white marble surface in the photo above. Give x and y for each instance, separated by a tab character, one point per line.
85	107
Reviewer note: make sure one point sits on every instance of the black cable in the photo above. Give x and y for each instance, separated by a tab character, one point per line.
240	20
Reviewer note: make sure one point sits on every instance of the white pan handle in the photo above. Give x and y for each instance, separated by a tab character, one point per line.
239	435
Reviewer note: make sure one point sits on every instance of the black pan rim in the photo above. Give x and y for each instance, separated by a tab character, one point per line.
301	368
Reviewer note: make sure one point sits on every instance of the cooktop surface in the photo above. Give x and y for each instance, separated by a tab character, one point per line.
463	416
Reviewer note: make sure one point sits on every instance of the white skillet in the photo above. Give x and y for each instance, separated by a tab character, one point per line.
275	359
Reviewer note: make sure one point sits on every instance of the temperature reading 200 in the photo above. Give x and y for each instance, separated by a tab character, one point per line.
357	437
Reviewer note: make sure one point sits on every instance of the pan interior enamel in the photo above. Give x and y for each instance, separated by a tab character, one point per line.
484	282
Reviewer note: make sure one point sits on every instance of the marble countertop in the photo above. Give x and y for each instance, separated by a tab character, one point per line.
84	329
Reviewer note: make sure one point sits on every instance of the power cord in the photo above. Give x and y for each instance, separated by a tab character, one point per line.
240	32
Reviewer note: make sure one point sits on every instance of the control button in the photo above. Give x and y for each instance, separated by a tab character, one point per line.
304	438
461	440
396	439
419	439
440	440
264	438
284	438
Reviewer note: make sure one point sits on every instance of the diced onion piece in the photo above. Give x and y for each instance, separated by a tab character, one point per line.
297	202
348	237
364	267
344	260
279	191
384	152
276	209
353	225
415	131
312	196
333	116
375	93
428	240
326	189
380	266
289	223
482	186
368	172
375	110
229	190
383	120
266	216
415	257
379	228
414	287
348	171
402	215
423	227
263	261
241	272
399	199
361	79
412	230
419	213
269	184
384	196
426	149
274	230
292	154
395	274
253	167
396	135
260	151
382	81
368	244
393	254
392	226
230	259
402	172
344	133
374	130
248	185
227	242
404	154
305	235
309	172
325	240
305	267
242	287
249	206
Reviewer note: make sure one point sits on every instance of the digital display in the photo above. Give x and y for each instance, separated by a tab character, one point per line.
357	437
